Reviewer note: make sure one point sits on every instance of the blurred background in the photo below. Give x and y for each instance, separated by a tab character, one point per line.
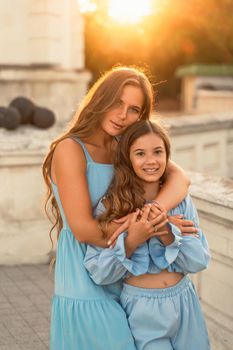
51	53
161	36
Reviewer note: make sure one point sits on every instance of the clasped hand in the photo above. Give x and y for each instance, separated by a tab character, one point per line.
143	224
150	221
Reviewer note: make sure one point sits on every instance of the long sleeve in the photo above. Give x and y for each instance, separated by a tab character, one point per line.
186	254
107	265
103	266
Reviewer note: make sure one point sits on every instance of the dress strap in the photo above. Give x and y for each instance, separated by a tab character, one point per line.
87	154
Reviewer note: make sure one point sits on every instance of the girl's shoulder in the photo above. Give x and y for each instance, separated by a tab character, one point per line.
182	207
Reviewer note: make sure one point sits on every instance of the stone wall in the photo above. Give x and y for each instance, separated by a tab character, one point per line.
213	197
42	54
57	89
42	32
203	143
24	228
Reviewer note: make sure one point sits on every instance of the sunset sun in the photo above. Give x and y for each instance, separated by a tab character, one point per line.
129	11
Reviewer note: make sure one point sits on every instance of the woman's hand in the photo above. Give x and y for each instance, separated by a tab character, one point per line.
186	226
139	228
123	219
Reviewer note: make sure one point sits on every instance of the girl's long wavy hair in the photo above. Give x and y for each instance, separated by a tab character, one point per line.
99	100
126	192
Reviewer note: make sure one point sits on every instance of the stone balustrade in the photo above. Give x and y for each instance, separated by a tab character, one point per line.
213	197
203	143
24	227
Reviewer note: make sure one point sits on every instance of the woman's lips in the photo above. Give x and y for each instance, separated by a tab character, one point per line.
116	125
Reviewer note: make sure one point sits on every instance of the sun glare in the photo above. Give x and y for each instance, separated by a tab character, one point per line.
86	6
129	11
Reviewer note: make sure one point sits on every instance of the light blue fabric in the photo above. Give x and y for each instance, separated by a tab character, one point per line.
165	319
85	316
160	319
186	254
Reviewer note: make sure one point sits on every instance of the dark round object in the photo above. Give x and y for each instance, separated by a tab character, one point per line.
43	118
1	120
2	116
25	107
11	118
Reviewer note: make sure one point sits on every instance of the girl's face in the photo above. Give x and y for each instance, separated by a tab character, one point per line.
124	112
148	157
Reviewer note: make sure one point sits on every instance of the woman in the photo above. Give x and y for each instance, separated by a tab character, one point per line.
77	171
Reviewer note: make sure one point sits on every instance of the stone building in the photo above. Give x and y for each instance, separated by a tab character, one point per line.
42	54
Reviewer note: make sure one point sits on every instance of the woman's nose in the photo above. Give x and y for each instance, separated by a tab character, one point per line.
123	113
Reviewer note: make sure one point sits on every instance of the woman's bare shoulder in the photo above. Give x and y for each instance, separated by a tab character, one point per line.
68	158
69	150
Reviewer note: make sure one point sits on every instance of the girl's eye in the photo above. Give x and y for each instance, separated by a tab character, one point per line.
140	154
158	151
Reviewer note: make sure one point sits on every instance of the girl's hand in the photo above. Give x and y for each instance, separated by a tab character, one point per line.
140	229
158	212
186	226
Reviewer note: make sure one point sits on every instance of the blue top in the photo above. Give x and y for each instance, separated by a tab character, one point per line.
84	315
186	254
70	252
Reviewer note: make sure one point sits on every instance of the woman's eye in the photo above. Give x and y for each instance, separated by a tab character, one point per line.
158	152
134	110
117	104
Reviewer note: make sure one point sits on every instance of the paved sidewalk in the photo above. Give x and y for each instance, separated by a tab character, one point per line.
25	297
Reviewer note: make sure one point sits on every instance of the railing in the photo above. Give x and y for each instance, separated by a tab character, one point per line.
214	200
203	143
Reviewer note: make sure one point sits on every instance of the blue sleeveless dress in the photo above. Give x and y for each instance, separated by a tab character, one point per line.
85	316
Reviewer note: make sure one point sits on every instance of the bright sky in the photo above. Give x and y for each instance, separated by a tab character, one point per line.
86	6
121	11
129	11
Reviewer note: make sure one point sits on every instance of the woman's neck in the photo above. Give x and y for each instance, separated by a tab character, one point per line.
100	139
151	190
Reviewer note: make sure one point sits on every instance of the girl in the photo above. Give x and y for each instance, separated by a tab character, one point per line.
160	301
78	170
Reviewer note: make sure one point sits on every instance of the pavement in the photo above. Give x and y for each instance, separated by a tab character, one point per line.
25	299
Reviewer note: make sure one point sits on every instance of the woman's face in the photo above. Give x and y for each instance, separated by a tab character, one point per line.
124	112
148	157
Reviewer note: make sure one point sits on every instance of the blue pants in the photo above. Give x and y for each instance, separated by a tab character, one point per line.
165	319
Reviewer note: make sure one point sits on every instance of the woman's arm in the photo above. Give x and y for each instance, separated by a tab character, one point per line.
177	184
187	253
69	174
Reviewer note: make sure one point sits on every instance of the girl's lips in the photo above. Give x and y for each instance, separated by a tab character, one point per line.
151	170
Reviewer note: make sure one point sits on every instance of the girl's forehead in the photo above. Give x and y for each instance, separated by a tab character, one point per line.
151	140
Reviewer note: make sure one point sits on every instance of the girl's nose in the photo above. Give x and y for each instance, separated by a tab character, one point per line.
151	160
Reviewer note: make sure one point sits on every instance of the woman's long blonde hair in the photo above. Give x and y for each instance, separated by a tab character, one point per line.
100	98
126	192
